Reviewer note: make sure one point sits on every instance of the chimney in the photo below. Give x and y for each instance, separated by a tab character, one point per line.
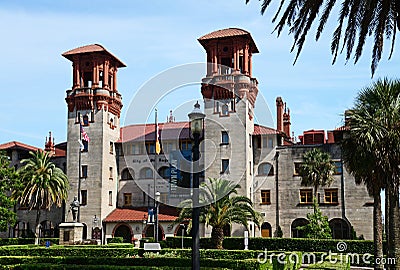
279	114
49	145
286	122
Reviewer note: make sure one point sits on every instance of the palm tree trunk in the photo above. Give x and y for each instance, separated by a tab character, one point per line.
378	247
394	229
387	220
217	237
37	226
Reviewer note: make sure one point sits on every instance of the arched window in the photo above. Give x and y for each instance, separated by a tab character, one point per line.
340	228
127	174
146	173
164	172
266	229
296	232
265	169
46	229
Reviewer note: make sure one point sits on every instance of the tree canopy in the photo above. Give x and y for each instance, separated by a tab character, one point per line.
224	208
356	21
8	179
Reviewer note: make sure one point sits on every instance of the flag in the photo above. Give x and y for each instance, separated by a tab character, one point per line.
85	137
158	146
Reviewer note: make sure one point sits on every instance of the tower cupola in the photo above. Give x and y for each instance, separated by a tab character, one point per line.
229	65
94	79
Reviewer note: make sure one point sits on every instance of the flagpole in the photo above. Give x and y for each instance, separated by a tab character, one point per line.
154	175
79	173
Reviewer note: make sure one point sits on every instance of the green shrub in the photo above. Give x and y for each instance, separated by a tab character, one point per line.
115	240
48	263
297	244
26	241
70	251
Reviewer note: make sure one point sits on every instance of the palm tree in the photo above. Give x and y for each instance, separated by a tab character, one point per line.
316	170
365	169
44	184
374	129
222	208
364	18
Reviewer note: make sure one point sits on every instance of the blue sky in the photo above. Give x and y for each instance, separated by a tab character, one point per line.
151	37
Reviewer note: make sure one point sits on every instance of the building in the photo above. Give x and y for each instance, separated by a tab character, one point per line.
118	172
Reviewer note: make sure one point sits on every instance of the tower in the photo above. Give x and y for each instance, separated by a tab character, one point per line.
229	92
94	107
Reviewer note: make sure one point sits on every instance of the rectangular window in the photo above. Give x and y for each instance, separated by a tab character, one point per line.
297	168
127	199
216	106
331	196
250	140
270	143
110	198
85	146
225	166
338	167
306	196
250	168
150	148
111	173
225	137
265	197
135	149
85	120
264	142
83	197
111	148
185	145
84	171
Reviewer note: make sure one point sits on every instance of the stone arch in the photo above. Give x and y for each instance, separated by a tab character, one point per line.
266	229
164	172
127	174
123	230
146	173
340	228
148	231
47	229
266	168
179	229
298	222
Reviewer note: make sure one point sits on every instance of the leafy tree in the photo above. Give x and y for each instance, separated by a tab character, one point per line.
375	136
318	225
44	184
317	169
357	20
8	178
222	208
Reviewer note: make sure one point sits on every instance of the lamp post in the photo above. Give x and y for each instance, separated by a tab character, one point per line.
157	198
183	231
196	118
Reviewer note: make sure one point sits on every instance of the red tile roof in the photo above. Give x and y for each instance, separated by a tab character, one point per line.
18	145
89	49
343	128
229	32
146	132
134	215
262	130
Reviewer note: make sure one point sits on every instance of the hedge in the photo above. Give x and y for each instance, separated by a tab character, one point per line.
26	241
284	244
149	262
76	251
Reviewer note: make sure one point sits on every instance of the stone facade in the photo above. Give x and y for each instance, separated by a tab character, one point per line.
120	172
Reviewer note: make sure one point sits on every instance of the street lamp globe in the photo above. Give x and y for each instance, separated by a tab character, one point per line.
196	118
